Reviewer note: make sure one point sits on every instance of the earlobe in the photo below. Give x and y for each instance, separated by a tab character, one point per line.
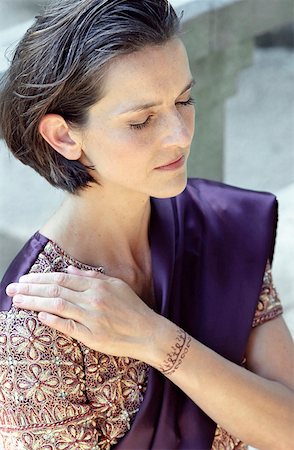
55	130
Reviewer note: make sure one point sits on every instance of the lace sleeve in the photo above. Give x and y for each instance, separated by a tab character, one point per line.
42	393
269	305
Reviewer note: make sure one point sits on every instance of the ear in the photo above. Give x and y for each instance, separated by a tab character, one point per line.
57	133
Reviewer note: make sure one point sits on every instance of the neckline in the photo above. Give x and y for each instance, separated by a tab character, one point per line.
73	261
161	234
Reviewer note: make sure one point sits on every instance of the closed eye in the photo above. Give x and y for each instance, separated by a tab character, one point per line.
190	101
139	126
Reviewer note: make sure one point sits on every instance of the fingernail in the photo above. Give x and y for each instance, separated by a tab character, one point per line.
11	289
18	299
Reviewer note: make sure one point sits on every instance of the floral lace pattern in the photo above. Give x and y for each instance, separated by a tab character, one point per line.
224	441
57	394
269	305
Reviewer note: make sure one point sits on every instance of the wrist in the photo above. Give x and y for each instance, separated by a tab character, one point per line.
177	353
167	345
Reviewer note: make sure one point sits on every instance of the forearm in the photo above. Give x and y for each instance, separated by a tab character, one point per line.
106	315
254	409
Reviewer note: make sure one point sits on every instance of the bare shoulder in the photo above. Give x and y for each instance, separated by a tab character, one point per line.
270	352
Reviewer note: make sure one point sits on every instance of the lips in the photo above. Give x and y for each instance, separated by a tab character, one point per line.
171	163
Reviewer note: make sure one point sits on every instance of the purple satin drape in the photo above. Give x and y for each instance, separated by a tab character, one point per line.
209	248
20	266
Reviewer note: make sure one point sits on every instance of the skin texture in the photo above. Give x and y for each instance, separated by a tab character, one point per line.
106	312
126	160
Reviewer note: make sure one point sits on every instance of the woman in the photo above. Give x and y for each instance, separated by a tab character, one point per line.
137	338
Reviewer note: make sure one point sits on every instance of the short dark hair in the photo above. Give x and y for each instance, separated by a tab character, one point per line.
58	68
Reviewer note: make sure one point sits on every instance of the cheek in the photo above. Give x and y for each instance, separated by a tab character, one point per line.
135	145
122	151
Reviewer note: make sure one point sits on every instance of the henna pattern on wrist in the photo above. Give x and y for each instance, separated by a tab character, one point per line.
177	354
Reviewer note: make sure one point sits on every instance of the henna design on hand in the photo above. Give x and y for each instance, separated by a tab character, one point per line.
177	354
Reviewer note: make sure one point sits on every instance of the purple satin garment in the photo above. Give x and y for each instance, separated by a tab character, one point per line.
209	248
20	266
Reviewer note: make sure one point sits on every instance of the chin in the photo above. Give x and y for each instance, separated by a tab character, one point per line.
171	188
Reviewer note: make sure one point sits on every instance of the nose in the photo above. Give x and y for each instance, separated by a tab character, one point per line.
177	130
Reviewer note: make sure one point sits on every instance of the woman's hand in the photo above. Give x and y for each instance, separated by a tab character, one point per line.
106	315
102	312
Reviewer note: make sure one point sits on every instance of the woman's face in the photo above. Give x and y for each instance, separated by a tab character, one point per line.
143	123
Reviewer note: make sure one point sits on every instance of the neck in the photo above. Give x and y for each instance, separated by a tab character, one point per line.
111	224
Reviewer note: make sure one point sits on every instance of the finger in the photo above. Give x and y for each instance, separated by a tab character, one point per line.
43	290
68	327
86	273
74	282
56	306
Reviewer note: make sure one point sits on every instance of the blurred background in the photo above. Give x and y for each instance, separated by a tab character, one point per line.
242	56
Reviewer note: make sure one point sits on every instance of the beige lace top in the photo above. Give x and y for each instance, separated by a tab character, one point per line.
57	394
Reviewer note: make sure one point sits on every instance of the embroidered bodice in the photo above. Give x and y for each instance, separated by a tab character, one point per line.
57	394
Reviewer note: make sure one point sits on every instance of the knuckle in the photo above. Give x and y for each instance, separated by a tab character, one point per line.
98	294
70	327
25	288
119	283
60	278
55	290
102	286
96	300
59	305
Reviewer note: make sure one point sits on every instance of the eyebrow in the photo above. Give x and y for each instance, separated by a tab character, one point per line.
142	107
